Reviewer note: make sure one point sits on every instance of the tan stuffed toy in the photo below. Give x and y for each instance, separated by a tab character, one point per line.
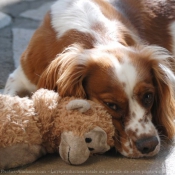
47	123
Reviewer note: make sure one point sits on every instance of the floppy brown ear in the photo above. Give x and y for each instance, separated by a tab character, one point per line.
164	106
66	73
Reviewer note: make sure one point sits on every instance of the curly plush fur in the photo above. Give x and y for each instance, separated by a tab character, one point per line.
38	124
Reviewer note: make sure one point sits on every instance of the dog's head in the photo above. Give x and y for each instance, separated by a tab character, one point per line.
135	85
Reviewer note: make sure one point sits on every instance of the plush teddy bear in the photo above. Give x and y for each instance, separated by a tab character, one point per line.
47	123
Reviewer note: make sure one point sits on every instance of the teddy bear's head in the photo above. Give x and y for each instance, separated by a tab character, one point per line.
75	148
74	127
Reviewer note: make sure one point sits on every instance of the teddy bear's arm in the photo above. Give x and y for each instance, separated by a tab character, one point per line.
20	154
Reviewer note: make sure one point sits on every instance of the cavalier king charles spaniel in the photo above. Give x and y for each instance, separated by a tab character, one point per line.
115	52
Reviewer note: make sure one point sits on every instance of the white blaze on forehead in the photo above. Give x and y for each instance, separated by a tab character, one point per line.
129	77
127	74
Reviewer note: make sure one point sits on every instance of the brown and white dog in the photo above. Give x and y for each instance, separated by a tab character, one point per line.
116	52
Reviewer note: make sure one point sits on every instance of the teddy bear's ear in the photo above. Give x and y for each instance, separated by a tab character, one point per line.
78	104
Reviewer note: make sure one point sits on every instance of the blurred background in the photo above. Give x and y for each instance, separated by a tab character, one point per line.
18	21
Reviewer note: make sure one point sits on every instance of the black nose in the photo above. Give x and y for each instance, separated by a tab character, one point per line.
147	145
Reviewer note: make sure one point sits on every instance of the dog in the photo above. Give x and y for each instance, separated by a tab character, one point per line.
119	53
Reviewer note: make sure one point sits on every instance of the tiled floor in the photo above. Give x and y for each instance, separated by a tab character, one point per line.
24	16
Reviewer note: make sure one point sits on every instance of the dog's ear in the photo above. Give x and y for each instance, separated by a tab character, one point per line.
163	77
66	72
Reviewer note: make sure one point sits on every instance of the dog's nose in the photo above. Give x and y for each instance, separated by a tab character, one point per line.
147	145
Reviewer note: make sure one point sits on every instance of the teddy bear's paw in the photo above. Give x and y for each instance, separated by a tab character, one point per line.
96	141
19	155
73	149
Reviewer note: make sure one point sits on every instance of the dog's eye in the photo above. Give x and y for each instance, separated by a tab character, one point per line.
148	99
113	106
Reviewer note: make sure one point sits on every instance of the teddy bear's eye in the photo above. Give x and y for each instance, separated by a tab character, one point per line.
88	140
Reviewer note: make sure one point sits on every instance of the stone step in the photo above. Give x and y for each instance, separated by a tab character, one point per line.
4	20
